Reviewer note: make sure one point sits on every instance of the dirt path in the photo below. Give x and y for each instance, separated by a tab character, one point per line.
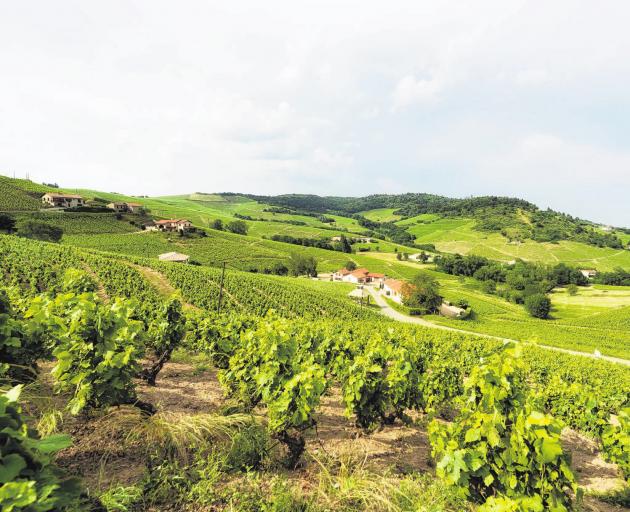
166	289
155	279
100	289
390	312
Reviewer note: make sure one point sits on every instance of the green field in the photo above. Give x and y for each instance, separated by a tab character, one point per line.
459	236
595	319
381	215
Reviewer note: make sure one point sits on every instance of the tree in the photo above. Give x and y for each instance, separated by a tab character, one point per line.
279	269
38	230
300	265
424	257
237	226
572	289
423	292
217	224
343	245
538	305
7	223
350	265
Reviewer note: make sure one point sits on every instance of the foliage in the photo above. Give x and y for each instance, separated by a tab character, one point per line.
300	265
164	335
97	350
618	277
78	281
500	447
19	352
538	305
616	442
272	365
7	223
39	230
29	481
423	292
238	227
381	382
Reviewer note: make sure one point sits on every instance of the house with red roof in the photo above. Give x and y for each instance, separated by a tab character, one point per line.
62	200
393	288
181	225
358	276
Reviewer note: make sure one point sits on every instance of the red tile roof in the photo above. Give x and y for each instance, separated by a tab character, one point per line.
63	196
394	284
171	221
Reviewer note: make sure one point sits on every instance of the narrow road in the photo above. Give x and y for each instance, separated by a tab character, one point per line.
390	312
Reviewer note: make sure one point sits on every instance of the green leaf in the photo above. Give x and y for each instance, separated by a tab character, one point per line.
550	449
10	467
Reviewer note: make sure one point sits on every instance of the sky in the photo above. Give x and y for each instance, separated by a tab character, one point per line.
459	98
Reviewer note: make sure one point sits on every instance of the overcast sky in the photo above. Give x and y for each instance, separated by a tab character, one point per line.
501	97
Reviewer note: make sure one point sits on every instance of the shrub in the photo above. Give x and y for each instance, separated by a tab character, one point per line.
29	481
38	230
500	447
165	333
616	442
237	226
19	350
538	305
97	348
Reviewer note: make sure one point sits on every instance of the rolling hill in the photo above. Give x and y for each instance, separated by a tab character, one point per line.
594	322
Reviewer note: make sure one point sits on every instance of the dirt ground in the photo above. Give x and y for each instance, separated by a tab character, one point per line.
97	455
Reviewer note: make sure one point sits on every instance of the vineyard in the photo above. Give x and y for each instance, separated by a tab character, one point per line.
92	352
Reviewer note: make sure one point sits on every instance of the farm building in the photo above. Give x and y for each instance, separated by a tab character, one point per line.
340	274
62	200
118	207
450	311
392	288
174	225
174	256
588	273
360	276
135	207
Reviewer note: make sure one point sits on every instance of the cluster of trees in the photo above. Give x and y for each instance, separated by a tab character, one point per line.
236	226
27	228
302	265
321	243
618	277
523	283
516	219
388	230
422	294
304	213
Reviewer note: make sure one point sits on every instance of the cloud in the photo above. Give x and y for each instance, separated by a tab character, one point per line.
412	91
517	97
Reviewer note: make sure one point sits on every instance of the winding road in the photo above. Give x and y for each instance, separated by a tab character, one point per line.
390	312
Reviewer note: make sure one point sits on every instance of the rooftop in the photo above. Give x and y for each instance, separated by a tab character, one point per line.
173	256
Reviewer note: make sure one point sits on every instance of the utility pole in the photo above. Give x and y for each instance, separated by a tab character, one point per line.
221	288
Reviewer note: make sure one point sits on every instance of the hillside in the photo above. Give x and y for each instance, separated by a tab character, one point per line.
187	387
591	323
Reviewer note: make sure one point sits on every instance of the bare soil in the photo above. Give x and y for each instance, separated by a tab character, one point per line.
98	457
